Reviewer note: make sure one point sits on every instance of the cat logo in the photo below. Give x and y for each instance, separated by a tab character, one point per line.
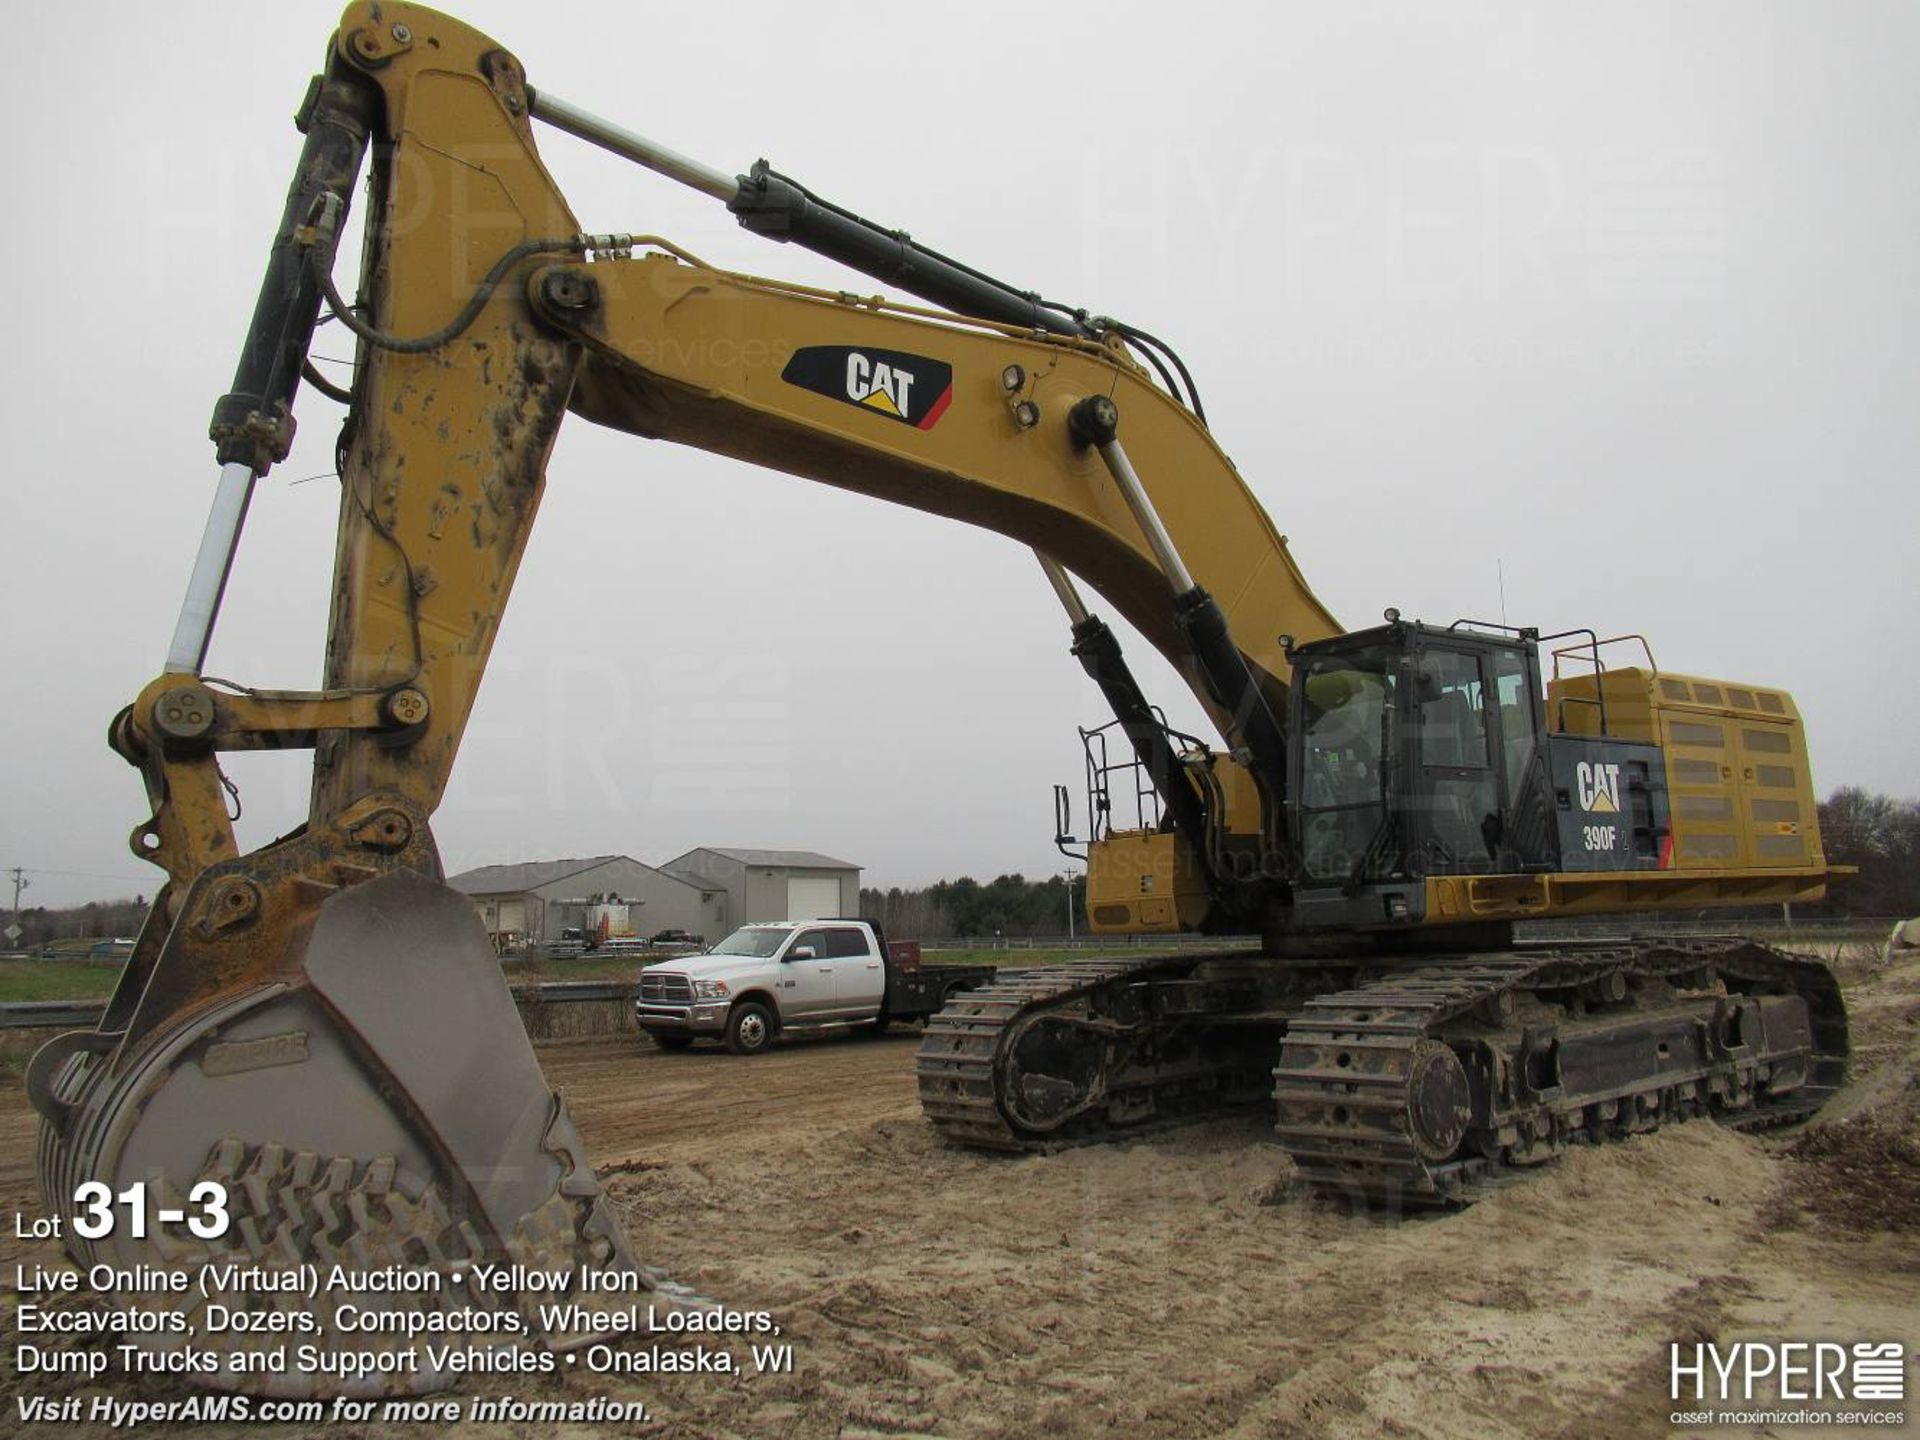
1599	787
913	389
884	388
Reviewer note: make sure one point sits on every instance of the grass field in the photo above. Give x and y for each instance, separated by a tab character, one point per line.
536	970
56	980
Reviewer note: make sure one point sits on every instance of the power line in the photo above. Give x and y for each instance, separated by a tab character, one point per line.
75	874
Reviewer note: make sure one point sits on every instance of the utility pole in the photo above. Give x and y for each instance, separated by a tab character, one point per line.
20	882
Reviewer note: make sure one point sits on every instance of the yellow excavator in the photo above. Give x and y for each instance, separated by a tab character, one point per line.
312	1059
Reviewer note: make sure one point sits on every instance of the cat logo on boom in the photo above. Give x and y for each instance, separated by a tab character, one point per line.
913	389
881	386
1599	787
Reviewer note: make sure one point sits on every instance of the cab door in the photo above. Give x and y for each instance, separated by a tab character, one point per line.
1454	802
1529	837
859	975
806	972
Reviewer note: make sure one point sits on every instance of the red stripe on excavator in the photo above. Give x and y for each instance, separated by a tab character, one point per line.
939	409
1666	851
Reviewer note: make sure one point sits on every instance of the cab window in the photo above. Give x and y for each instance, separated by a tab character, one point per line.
1456	805
1511	691
845	944
1347	720
1453	714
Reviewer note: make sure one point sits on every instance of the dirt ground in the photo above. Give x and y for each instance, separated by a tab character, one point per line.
1179	1286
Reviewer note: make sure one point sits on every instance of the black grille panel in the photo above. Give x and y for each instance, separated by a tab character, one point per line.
665	987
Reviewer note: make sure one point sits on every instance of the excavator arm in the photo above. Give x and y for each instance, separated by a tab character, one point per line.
489	313
964	418
267	1034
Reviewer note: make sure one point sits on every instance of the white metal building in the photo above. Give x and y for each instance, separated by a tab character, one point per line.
772	884
531	904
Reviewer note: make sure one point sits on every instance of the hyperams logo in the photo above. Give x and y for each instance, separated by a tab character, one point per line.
909	388
1792	1382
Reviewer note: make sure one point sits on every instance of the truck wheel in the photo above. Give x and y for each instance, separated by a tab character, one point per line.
749	1028
673	1042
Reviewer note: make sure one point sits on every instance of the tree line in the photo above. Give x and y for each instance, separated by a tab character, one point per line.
1005	905
96	920
1876	833
1881	835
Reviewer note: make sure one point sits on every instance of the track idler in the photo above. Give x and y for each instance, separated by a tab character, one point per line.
332	1156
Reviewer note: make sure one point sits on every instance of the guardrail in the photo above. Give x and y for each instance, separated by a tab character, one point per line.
76	1014
47	1014
563	992
1607	927
1813	928
1081	942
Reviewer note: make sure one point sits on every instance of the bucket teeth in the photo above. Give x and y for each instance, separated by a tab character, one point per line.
398	1151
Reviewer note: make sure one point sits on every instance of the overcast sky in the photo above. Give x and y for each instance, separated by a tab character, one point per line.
1616	301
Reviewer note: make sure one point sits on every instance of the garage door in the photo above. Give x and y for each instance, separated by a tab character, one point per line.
513	917
810	898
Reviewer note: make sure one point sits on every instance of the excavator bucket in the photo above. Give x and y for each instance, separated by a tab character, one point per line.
313	1093
379	1136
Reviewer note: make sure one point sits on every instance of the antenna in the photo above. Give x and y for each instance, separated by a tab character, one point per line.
1500	569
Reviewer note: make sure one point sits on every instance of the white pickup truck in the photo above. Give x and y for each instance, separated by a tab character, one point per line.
793	975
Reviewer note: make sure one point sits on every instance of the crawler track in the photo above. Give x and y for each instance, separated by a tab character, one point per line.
1421	1087
1069	1054
1410	1084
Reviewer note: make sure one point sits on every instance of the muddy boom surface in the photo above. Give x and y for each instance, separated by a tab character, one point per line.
1411	1084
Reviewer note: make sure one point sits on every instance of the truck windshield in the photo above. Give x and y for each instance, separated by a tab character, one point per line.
760	944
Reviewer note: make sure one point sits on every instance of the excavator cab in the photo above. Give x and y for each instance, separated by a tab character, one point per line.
1418	751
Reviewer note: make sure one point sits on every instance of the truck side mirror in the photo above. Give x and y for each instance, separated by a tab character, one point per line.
800	952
